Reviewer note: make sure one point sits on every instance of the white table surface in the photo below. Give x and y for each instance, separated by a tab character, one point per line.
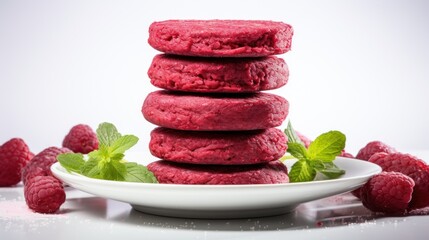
85	216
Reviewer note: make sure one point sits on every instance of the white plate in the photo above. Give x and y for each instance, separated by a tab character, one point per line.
222	201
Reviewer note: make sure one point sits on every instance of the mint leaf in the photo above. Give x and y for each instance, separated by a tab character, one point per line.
286	157
123	143
302	171
139	173
107	134
117	157
291	134
113	170
333	173
327	146
329	169
103	152
72	162
297	150
98	154
108	161
91	169
317	158
317	164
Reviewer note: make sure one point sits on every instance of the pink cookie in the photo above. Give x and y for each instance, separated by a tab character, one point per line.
221	38
189	74
216	112
181	173
224	148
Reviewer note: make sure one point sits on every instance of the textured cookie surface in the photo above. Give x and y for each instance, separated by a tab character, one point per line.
218	75
226	148
221	38
181	173
215	112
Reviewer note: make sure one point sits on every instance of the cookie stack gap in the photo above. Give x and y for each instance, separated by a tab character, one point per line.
216	126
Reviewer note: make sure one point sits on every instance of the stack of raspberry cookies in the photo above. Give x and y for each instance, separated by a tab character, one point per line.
216	126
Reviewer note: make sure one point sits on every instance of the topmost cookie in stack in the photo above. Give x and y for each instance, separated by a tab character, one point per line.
221	38
216	127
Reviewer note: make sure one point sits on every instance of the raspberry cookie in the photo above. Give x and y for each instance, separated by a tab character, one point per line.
180	173
218	75
216	112
221	38
225	148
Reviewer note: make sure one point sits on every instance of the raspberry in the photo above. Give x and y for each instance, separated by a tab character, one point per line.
81	139
387	192
411	166
373	147
346	154
44	194
41	163
370	149
14	155
304	139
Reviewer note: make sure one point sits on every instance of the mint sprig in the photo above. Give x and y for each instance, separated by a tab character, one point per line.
318	157
108	161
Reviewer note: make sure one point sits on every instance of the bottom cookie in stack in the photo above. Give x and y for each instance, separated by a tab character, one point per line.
240	157
182	173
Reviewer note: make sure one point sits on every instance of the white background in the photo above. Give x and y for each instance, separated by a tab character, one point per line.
361	67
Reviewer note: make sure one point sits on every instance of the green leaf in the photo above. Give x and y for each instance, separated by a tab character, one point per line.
123	143
108	161
287	157
117	157
317	158
327	146
139	173
72	162
104	151
96	154
107	134
297	150
291	135
332	171
113	170
91	169
317	164
301	171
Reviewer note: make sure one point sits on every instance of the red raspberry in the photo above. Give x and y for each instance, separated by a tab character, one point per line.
41	163
346	154
81	139
44	194
370	149
14	155
31	156
388	192
304	139
411	166
373	147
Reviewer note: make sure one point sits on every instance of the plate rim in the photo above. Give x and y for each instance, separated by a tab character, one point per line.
57	169
219	201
